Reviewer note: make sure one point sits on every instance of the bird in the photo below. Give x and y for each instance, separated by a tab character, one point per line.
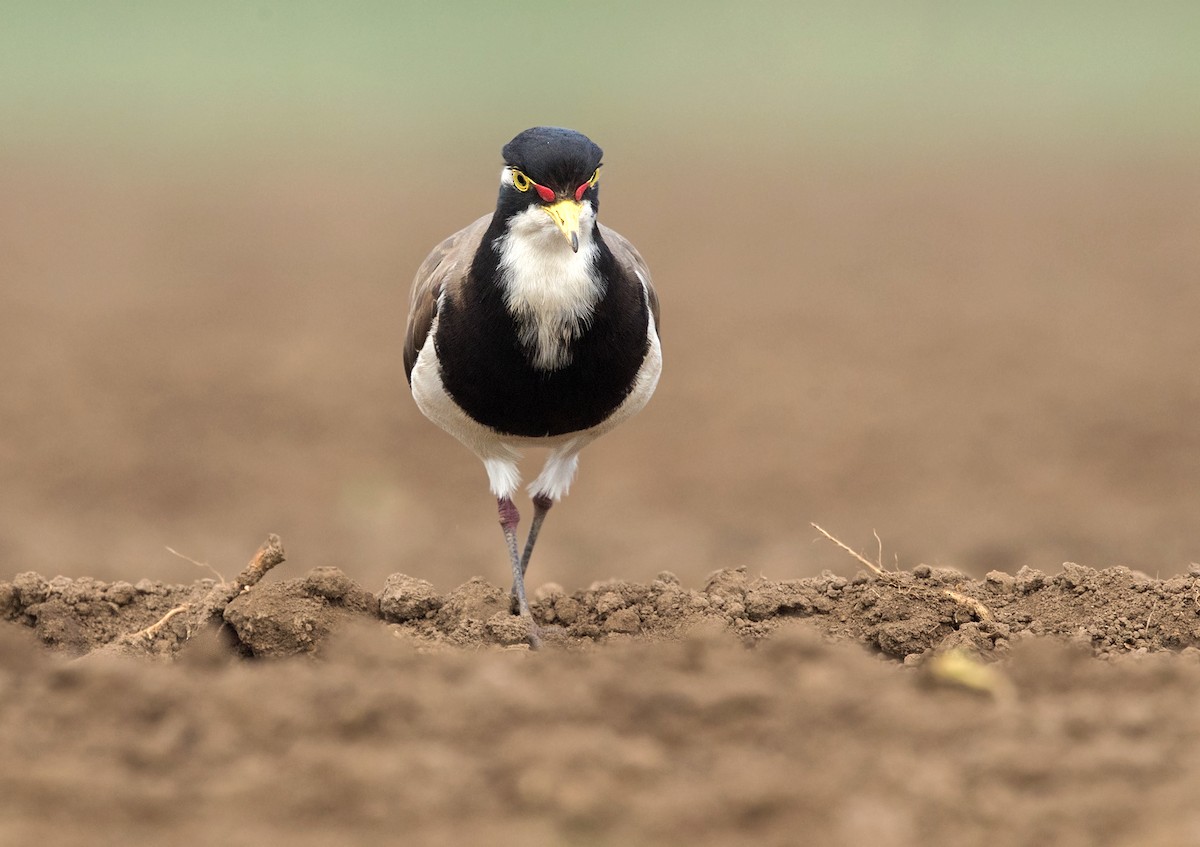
534	326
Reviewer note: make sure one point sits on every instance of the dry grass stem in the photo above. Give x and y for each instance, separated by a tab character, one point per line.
877	568
205	565
976	607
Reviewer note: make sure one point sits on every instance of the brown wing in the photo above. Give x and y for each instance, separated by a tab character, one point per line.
444	269
632	262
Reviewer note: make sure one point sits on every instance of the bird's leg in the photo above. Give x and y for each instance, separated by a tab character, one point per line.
541	505
509	517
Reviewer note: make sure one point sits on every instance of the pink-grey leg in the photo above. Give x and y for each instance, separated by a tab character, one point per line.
509	518
541	505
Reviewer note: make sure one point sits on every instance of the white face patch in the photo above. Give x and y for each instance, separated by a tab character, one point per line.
549	289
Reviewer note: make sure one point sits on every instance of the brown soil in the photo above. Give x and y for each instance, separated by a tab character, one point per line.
905	708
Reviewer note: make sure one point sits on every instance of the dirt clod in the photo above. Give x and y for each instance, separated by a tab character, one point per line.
464	612
405	598
507	629
296	615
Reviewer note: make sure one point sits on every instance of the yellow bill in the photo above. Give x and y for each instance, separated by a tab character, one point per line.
566	214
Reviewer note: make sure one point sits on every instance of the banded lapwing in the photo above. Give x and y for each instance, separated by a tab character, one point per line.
534	326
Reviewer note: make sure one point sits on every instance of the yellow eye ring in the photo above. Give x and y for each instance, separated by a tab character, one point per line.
595	178
520	181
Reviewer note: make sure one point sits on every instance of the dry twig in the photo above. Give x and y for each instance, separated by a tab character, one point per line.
198	613
205	565
976	607
876	567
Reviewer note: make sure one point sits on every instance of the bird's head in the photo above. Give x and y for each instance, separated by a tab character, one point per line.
555	171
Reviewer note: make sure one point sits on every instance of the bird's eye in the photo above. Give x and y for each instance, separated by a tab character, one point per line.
582	189
521	182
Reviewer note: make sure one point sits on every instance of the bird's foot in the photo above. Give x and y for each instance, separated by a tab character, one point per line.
535	631
535	635
547	633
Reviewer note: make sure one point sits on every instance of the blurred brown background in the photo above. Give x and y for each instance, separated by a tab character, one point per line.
929	270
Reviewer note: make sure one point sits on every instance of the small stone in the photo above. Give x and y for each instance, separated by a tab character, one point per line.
922	571
668	578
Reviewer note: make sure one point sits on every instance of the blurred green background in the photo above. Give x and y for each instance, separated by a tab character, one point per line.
764	78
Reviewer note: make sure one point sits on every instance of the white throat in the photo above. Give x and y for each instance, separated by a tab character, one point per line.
549	290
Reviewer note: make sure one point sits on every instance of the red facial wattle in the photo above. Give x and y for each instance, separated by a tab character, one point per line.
547	194
581	190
